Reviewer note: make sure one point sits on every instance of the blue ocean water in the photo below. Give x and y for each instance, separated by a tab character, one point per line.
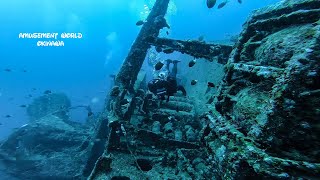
82	67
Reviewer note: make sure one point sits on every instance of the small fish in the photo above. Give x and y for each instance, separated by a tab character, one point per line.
33	89
167	32
24	125
158	66
210	84
221	5
8	116
7	70
211	3
23	106
194	82
47	92
139	23
239	1
24	70
192	63
1	124
29	95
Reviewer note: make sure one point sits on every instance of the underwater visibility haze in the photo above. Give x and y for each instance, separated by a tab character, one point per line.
159	89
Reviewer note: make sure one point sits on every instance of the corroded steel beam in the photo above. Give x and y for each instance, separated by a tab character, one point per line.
197	49
133	62
126	79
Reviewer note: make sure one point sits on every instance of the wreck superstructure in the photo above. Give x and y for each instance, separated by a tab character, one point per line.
145	146
245	129
262	122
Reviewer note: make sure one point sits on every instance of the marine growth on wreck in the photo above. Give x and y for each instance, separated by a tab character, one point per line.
245	108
